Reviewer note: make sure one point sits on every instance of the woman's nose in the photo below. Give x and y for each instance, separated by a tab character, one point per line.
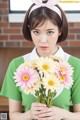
43	38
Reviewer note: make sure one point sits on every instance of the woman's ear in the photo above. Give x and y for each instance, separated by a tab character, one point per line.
60	31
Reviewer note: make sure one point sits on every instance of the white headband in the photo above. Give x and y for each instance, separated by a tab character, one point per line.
50	4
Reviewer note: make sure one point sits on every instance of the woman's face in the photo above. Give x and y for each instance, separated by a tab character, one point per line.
45	38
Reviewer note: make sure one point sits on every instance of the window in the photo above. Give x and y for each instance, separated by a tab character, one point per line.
18	7
71	6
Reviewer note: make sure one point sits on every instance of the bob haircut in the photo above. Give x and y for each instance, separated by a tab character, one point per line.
38	17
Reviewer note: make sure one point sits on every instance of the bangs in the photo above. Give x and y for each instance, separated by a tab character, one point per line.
39	17
37	22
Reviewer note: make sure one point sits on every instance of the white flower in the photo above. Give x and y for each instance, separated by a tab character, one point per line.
46	65
51	82
31	90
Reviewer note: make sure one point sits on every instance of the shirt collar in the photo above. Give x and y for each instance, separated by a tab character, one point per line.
59	53
34	54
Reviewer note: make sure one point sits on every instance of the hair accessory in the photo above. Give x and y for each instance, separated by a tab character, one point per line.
50	4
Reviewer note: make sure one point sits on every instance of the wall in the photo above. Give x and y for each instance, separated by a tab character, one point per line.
11	33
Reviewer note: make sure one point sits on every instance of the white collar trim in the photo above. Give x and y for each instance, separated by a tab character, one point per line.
59	53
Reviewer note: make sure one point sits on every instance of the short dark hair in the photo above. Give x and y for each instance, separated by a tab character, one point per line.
39	16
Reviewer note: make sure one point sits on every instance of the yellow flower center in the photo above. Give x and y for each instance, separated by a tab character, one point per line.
51	83
45	66
62	77
25	77
62	69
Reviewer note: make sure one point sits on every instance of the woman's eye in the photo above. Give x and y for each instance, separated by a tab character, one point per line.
36	32
50	32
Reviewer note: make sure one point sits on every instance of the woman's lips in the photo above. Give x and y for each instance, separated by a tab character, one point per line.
43	47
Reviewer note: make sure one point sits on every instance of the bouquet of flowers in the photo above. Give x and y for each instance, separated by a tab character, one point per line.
43	77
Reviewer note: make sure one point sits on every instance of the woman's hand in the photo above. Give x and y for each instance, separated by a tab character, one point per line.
35	110
53	113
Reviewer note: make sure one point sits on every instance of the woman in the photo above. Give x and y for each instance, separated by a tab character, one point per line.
45	25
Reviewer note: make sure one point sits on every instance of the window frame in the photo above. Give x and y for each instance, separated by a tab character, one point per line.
18	16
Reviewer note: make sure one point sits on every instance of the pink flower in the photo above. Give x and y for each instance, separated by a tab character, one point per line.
64	68
66	80
64	72
26	76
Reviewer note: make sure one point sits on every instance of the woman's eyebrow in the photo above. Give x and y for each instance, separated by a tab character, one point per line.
46	29
36	29
50	29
